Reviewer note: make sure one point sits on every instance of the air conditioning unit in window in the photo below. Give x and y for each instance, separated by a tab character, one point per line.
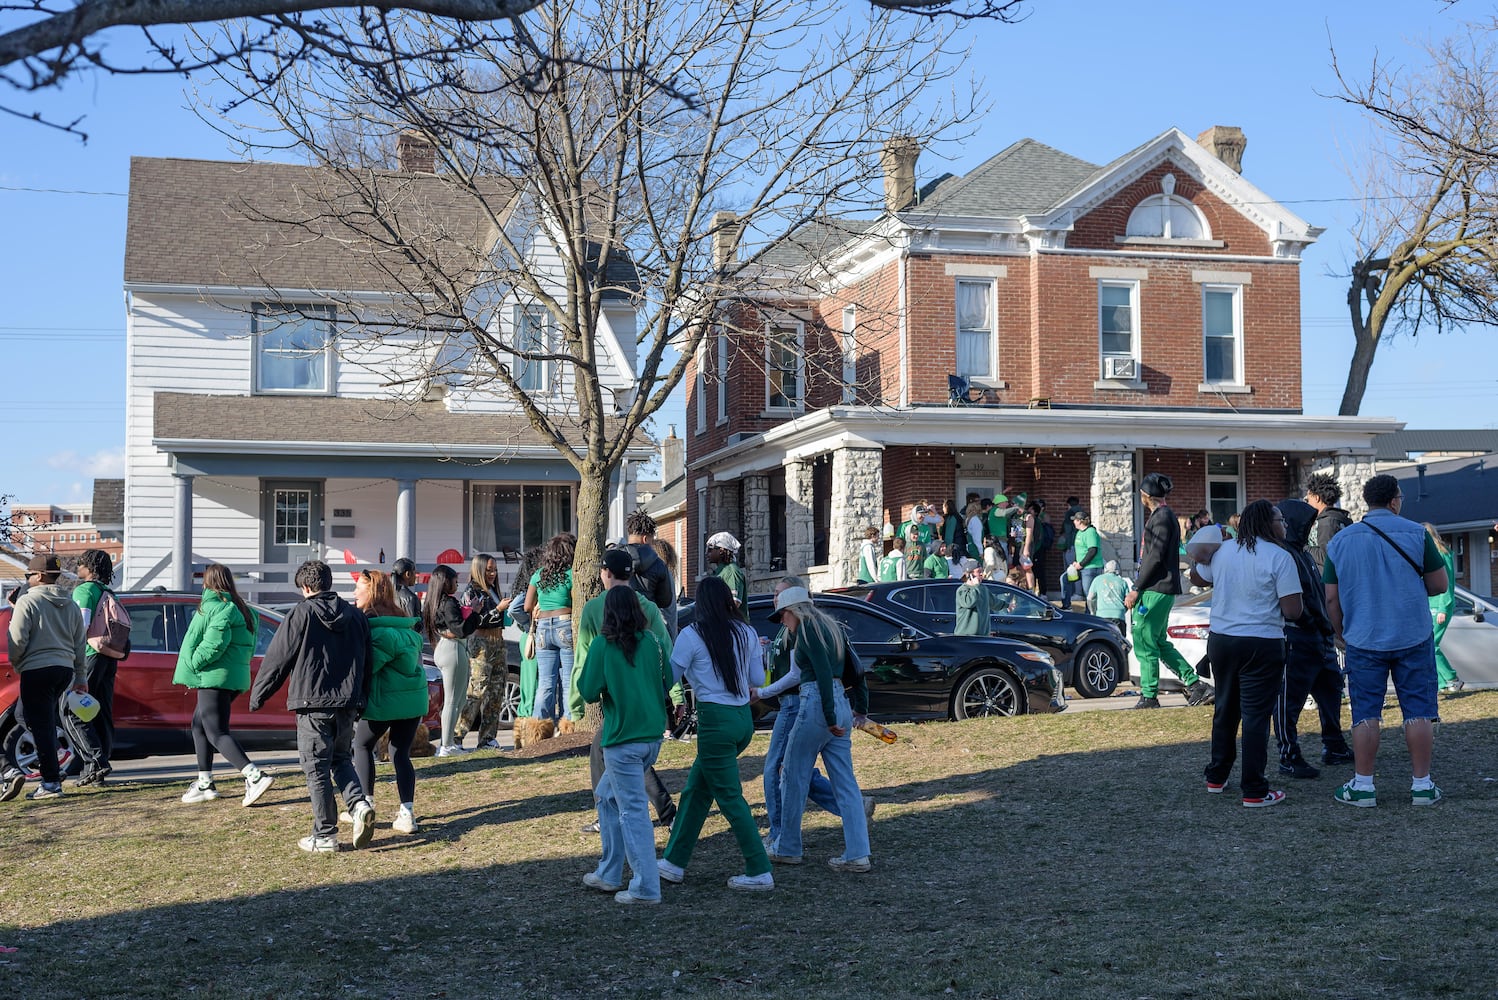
1121	368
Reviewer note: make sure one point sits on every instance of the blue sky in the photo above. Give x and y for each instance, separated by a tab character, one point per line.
1094	79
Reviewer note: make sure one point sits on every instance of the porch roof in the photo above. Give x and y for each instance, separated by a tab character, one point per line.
965	428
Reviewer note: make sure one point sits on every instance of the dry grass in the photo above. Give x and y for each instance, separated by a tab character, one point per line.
1069	856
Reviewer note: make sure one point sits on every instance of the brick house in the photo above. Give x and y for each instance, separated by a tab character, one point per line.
1108	321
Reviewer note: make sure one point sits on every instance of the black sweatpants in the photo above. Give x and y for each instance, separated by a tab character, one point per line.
1248	671
655	789
99	734
41	690
210	730
1310	669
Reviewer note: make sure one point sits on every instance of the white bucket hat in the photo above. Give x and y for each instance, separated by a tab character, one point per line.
723	540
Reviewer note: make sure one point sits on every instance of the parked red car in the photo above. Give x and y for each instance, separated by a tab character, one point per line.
151	714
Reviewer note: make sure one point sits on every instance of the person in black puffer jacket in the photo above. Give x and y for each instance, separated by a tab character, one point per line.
322	653
652	577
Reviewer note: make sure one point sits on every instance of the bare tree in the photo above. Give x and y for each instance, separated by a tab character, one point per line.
1427	234
663	157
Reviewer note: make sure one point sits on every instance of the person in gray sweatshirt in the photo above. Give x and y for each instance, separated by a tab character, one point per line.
46	647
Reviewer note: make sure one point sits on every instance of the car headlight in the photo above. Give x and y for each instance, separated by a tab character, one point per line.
1039	657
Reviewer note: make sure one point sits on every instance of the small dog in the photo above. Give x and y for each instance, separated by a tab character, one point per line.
566	726
529	732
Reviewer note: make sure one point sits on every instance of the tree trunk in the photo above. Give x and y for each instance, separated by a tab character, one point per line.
1357	373
592	530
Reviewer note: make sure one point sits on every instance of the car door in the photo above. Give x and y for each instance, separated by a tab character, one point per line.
144	696
1022	616
1470	644
901	682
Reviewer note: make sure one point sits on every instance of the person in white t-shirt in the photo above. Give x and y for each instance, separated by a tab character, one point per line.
1255	588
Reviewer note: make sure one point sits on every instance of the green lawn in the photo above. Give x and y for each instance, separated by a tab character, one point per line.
1073	856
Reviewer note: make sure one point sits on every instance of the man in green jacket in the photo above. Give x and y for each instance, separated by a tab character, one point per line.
973	613
722	548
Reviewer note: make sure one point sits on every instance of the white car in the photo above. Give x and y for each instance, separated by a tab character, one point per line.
1187	630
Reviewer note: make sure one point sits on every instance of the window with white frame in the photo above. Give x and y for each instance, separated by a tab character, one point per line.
785	366
1118	329
850	354
1164	216
1224	485
530	337
1222	334
975	328
699	389
293	348
723	360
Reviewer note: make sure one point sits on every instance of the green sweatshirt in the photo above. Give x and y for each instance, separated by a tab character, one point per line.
973	615
585	630
632	689
819	657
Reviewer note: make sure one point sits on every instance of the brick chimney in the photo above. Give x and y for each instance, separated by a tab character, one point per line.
897	160
1226	142
415	154
673	458
726	230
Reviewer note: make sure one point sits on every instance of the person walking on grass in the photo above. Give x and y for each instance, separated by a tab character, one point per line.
821	729
1378	574
1154	594
215	662
95	573
626	670
398	696
322	653
1255	590
720	656
46	643
1442	607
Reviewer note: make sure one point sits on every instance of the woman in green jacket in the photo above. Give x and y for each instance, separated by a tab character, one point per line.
215	659
397	692
1442	606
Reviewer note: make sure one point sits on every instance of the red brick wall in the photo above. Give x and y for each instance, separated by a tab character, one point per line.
1266	476
914	474
1097	229
932	305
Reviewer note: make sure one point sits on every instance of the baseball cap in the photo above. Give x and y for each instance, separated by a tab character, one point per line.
619	562
44	563
788	597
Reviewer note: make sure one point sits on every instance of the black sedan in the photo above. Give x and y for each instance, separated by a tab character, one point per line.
915	674
1089	651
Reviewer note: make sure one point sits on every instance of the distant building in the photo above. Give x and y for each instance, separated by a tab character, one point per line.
63	529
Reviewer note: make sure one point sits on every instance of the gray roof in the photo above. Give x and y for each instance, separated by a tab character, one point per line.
670	499
109	504
1454	491
813	242
203	417
1027	178
1400	445
284	226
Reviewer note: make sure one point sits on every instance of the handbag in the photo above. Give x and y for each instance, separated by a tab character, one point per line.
528	651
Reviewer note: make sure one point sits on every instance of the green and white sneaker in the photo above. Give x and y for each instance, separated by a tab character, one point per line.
1425	796
1349	796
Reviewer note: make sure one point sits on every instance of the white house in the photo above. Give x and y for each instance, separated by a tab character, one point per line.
277	408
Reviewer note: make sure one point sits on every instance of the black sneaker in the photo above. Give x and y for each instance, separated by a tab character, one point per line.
1296	767
90	776
1200	693
1147	703
1334	757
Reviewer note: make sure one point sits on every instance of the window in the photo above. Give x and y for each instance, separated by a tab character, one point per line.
293	348
518	517
1013	603
864	626
530	336
784	367
292	517
1224	485
975	328
699	390
1222	328
1164	216
850	355
722	374
1118	329
914	598
147	628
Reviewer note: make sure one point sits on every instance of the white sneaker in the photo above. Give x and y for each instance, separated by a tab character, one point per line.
452	751
257	787
405	821
753	883
318	845
594	881
674	874
200	792
363	824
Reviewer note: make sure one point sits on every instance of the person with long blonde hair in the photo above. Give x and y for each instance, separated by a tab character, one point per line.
487	666
215	661
1442	606
397	692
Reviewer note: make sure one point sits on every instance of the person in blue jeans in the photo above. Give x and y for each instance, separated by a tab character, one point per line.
549	602
785	685
627	670
821	729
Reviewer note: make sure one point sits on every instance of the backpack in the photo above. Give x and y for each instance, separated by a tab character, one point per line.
651	577
1047	536
109	628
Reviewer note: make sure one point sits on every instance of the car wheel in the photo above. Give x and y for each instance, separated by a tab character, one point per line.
988	691
509	702
1097	668
20	749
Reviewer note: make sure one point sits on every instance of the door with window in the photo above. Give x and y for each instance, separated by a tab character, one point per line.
291	517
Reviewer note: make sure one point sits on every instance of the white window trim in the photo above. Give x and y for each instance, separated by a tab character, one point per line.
1239	383
800	328
850	355
986	379
722	357
329	372
1164	200
700	385
1132	282
1237	480
521	311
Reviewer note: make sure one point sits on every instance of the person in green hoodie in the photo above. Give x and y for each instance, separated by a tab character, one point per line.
973	612
1442	607
398	698
215	661
627	670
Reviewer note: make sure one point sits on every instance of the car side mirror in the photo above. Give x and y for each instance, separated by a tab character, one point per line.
1477	615
1052	614
907	636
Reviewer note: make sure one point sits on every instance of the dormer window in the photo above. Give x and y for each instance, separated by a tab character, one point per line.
1164	216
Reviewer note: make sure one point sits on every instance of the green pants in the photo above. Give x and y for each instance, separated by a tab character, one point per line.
723	731
1444	671
1151	645
529	678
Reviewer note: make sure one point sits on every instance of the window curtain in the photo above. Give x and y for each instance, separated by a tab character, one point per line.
974	329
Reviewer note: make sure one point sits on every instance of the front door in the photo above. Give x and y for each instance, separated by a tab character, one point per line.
291	516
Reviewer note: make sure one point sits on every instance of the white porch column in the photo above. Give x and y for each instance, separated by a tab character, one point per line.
1113	502
182	532
756	554
405	519
858	479
799	547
